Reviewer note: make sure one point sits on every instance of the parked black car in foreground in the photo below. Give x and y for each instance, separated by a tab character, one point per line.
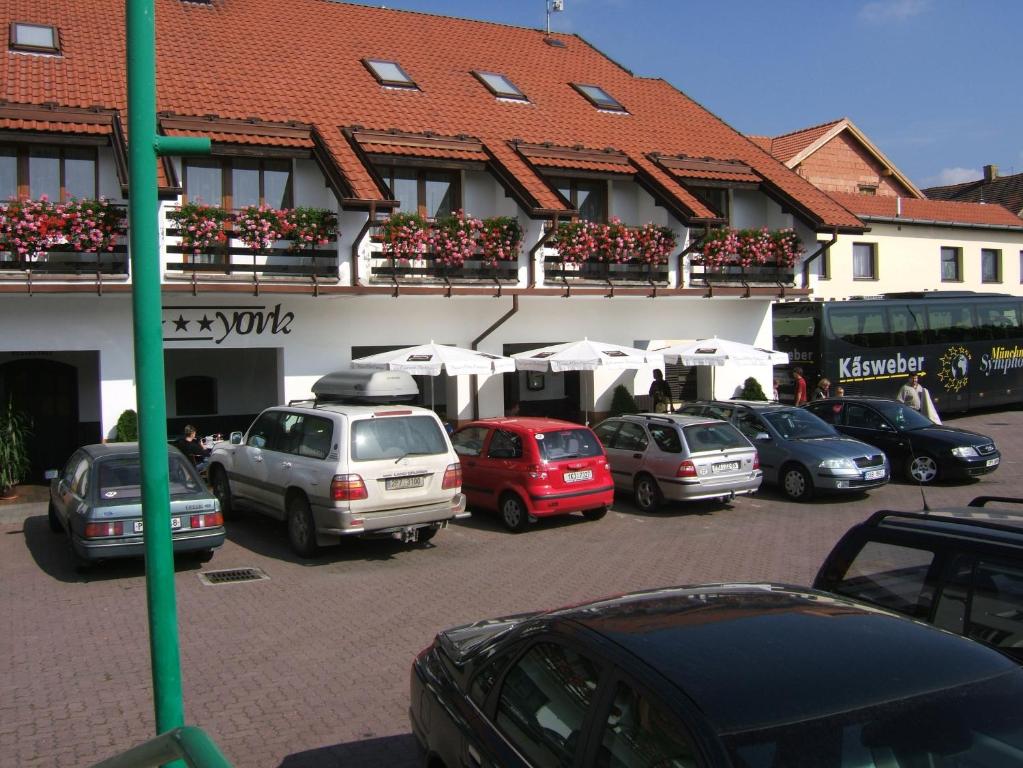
752	676
924	450
958	568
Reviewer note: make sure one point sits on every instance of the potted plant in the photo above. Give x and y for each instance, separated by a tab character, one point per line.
127	429
90	225
203	227
259	226
15	429
29	228
500	238
404	235
453	239
308	227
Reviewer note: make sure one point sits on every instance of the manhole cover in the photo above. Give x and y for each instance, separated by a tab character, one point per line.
232	576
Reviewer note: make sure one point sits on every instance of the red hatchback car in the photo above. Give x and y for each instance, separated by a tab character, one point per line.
532	467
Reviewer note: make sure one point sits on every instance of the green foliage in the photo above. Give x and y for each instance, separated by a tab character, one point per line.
751	390
127	427
623	402
15	429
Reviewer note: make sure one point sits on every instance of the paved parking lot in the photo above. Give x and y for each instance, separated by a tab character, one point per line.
310	666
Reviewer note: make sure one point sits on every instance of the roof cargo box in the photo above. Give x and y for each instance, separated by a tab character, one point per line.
354	386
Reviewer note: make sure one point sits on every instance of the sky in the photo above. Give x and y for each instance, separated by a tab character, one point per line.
934	84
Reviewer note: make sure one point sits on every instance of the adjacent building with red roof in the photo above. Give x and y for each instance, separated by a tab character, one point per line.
348	122
913	243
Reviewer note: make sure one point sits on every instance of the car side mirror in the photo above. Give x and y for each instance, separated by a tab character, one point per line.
763	437
236	438
51	474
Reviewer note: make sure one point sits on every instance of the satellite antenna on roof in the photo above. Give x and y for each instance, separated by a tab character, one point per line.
553	6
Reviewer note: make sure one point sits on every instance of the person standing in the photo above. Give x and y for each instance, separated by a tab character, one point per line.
839	391
823	390
912	393
660	394
800	385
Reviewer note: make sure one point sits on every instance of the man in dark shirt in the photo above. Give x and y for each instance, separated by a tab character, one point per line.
660	393
192	448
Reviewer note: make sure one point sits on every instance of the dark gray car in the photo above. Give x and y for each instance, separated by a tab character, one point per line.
800	455
97	501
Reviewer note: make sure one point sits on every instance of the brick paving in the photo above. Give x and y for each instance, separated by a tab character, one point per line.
309	668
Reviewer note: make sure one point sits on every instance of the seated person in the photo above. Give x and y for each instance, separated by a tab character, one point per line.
193	448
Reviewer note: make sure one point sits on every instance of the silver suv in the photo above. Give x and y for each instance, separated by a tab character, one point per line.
680	458
334	470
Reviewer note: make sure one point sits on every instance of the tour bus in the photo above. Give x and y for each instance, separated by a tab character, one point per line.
967	347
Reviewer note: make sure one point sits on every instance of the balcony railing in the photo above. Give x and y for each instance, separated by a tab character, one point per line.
64	260
426	269
736	274
280	260
557	270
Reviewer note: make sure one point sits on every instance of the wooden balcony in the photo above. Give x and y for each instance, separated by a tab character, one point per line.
738	275
235	260
635	272
426	270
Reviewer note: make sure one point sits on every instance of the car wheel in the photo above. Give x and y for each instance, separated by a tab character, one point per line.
51	516
648	494
595	514
222	490
203	555
513	513
922	468
796	483
427	533
301	527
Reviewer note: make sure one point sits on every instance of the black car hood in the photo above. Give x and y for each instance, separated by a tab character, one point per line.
951	436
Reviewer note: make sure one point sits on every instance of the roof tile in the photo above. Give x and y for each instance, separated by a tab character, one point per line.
938	211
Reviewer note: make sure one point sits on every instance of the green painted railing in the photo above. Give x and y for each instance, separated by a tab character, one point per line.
189	744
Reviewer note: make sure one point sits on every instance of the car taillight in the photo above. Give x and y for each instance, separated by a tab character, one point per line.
756	461
208	520
686	469
348	488
99	530
452	476
537	472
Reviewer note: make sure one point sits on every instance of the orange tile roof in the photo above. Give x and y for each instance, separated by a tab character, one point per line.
254	139
54	126
580	165
410	150
936	211
309	69
788	145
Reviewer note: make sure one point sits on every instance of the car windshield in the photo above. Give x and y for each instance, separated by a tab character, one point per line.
902	416
713	437
976	725
567	444
797	424
393	437
120	479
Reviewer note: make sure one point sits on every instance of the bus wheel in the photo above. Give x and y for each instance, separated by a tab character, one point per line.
922	468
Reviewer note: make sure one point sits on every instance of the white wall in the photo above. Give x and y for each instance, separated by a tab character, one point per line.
909	259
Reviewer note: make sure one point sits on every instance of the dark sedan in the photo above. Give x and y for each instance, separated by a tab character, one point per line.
926	451
97	501
751	676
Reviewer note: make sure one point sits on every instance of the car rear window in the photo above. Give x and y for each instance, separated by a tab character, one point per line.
120	479
567	444
713	437
890	575
393	437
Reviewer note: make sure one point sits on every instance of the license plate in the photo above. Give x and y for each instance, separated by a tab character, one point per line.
873	474
400	483
578	477
725	466
175	524
992	462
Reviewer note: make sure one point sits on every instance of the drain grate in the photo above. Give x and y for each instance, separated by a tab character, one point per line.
232	576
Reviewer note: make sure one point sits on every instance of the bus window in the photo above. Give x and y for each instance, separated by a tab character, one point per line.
950	323
907	324
864	326
794	326
998	320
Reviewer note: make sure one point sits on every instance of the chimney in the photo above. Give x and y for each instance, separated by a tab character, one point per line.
990	172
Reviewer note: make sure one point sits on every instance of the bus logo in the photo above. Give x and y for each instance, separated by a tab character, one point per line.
954	368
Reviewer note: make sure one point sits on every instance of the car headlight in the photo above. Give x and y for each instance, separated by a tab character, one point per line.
838	464
965	452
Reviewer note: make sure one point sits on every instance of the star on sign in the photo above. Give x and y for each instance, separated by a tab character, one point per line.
205	324
181	324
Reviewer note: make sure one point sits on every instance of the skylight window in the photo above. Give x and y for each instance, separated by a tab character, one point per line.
598	97
389	73
499	85
38	38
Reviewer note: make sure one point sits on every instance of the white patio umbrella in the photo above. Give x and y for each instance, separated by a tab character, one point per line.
585	355
433	359
717	351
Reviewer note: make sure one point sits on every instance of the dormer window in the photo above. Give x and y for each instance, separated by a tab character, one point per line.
389	73
599	98
499	85
35	38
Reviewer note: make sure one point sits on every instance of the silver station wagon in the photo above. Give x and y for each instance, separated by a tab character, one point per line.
97	501
678	458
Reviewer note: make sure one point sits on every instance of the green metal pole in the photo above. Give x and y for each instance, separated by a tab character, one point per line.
143	228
